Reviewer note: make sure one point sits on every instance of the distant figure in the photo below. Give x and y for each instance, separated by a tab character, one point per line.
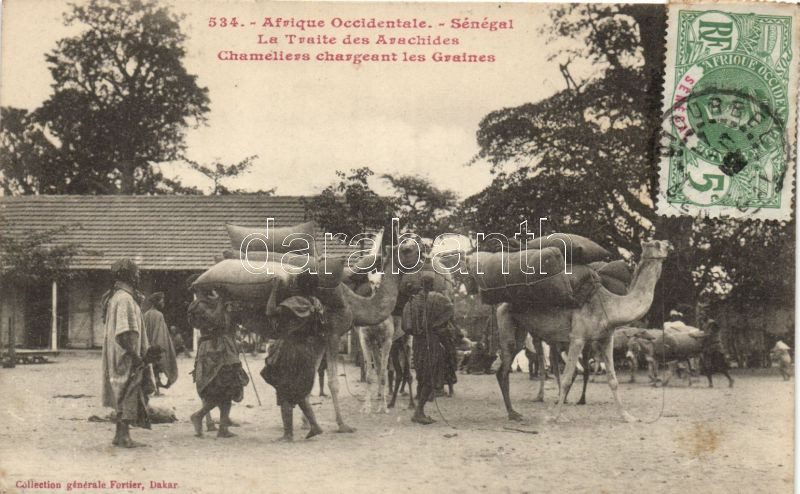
177	341
299	319
780	352
451	336
713	357
126	383
479	360
533	358
675	321
158	334
425	317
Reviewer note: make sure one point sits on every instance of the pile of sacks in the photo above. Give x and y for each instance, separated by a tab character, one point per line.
550	284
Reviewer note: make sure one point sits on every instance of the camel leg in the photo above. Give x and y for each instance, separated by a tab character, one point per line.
730	379
511	340
586	374
555	362
537	344
575	349
383	366
407	377
608	358
394	371
321	375
367	355
333	380
667	374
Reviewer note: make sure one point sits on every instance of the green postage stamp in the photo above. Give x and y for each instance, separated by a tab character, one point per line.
727	146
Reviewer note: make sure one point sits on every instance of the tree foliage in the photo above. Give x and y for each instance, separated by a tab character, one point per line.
421	207
121	103
29	162
36	258
350	206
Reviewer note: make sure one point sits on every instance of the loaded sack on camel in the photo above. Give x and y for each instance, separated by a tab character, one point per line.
247	278
247	270
556	276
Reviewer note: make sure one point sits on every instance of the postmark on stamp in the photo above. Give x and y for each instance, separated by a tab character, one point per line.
730	100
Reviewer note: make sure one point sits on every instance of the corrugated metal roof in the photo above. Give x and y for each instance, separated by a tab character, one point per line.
158	232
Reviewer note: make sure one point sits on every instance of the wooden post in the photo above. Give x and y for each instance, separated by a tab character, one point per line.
12	342
54	318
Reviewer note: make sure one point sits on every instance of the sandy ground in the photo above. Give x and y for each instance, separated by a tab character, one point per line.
708	440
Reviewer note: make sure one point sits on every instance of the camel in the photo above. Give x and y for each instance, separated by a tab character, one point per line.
593	321
376	343
351	310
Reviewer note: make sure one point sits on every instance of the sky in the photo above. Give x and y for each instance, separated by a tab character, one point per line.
307	120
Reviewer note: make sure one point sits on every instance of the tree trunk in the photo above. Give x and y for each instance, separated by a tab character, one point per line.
127	168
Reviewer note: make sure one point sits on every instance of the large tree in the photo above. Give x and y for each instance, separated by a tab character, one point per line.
121	102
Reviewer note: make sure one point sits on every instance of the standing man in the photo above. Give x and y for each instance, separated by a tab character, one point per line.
158	334
125	380
713	358
425	317
218	373
299	320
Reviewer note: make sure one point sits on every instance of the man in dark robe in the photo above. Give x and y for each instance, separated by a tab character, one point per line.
713	358
158	334
289	368
126	383
425	317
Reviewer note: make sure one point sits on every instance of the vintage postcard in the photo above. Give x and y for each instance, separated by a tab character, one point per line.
255	246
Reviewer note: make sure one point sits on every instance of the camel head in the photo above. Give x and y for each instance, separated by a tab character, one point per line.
656	249
406	255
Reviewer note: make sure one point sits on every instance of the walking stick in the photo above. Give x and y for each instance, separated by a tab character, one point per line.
252	381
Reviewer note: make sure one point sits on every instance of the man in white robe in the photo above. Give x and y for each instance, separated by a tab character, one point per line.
126	382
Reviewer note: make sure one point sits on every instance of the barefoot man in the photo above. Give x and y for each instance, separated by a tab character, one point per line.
299	320
218	372
125	382
425	317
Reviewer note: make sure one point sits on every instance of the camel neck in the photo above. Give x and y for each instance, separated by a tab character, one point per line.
369	311
635	304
